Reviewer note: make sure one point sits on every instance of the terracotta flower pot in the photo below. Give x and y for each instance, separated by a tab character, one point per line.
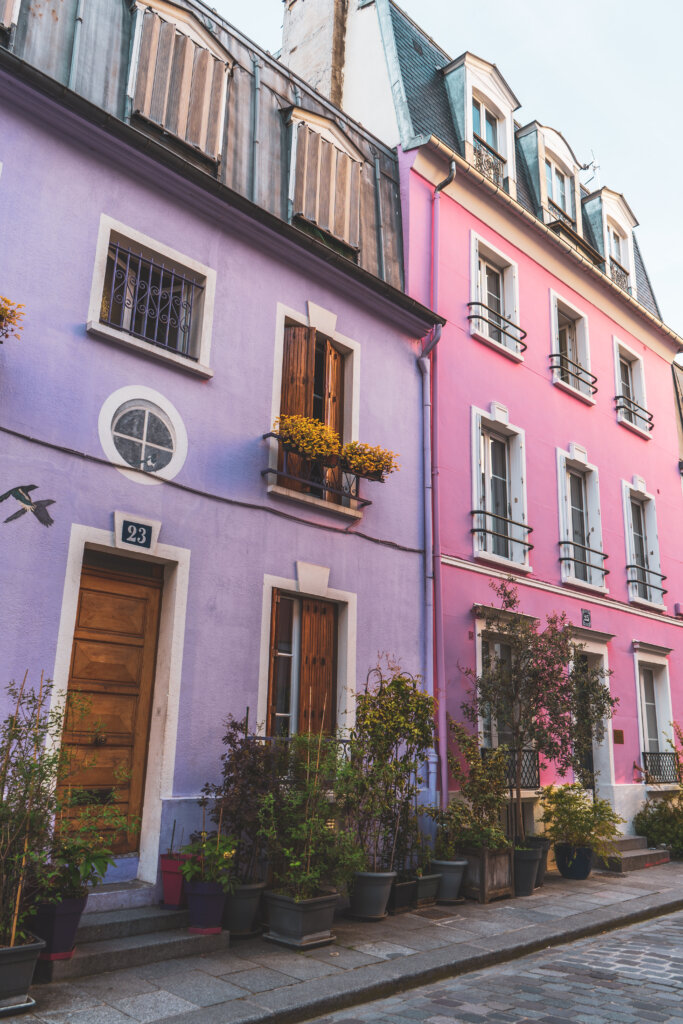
172	880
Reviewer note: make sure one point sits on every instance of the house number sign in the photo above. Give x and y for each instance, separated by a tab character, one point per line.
138	535
135	532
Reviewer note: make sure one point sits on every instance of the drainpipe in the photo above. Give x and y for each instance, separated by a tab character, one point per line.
380	219
255	128
76	45
436	551
425	370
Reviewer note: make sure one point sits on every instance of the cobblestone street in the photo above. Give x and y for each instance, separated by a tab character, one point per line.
631	976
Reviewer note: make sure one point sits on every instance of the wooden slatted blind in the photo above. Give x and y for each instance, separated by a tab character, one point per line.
317	673
296	395
180	85
334	406
326	186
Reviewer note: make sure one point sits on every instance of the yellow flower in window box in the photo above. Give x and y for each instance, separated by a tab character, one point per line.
11	315
309	438
371	461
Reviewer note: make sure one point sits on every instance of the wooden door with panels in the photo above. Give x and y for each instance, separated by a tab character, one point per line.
111	683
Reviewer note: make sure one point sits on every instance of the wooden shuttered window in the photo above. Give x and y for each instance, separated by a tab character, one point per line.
308	684
180	86
326	186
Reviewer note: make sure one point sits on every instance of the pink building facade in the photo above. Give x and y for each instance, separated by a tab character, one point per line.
554	420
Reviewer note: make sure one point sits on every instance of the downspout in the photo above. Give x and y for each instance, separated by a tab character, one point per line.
76	45
380	220
442	721
425	370
255	128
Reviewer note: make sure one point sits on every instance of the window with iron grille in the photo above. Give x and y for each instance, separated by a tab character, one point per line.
644	577
630	400
570	351
494	299
582	559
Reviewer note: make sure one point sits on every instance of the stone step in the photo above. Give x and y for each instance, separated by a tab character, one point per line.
634	860
631	843
129	951
120	896
119	924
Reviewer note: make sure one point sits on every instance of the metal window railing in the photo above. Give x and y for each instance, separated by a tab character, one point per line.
638	576
586	561
149	300
619	275
531	769
508	531
488	162
331	483
574	374
632	412
499	323
660	766
557	213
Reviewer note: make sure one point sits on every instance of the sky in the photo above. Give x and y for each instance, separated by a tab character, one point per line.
606	73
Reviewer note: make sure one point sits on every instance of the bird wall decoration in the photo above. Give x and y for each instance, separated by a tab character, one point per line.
28	504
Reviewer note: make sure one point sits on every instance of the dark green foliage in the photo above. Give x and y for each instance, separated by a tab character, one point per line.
661	822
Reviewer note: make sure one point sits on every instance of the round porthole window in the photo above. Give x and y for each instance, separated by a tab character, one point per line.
141	428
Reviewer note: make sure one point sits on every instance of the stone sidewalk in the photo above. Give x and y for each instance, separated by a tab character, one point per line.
256	981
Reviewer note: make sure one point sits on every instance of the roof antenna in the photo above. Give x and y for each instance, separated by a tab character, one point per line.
594	167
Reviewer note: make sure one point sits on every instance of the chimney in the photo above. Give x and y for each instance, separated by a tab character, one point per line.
313	43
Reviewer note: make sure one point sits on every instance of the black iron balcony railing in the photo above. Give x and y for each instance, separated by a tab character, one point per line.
531	770
488	162
498	324
574	374
314	477
639	577
634	413
619	274
556	213
584	561
499	534
660	767
149	300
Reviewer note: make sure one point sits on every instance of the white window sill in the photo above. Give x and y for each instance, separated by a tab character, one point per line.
487	556
647	434
309	499
661	787
574	581
653	605
563	386
106	333
509	353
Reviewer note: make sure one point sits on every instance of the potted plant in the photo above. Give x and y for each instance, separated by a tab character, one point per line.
207	871
580	826
11	315
310	438
249	765
170	863
30	761
309	857
380	778
371	461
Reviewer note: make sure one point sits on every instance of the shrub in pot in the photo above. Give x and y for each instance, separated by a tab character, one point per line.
249	766
380	778
580	826
173	891
310	857
208	874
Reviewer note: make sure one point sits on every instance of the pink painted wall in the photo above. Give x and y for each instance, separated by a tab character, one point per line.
472	374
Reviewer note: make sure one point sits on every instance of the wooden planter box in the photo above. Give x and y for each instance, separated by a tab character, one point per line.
489	874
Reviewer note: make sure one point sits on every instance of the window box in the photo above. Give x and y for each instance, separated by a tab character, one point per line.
321	478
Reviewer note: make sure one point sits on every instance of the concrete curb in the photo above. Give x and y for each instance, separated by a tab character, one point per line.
311	999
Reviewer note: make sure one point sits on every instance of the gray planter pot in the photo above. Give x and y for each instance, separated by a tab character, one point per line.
241	914
544	845
302	925
452	874
526	870
370	894
427	889
17	964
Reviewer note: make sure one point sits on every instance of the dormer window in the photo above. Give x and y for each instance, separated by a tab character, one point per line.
487	157
618	258
559	188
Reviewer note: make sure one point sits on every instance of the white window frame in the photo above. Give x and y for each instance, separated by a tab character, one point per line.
480	248
624	351
559	304
659	665
575	460
173	419
636	491
496	421
110	229
559	168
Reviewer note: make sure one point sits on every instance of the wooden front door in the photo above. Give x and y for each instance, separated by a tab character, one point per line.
111	680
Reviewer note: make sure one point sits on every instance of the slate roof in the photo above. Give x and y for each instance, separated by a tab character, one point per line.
419	60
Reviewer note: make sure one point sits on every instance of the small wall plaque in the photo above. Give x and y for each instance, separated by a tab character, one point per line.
586	618
136	533
618	736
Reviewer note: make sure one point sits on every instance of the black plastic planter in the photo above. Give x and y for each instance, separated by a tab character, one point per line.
574	862
370	894
17	964
305	924
205	903
241	914
402	897
452	873
57	924
526	870
544	845
427	889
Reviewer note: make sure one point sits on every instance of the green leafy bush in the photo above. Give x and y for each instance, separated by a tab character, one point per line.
572	816
661	822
